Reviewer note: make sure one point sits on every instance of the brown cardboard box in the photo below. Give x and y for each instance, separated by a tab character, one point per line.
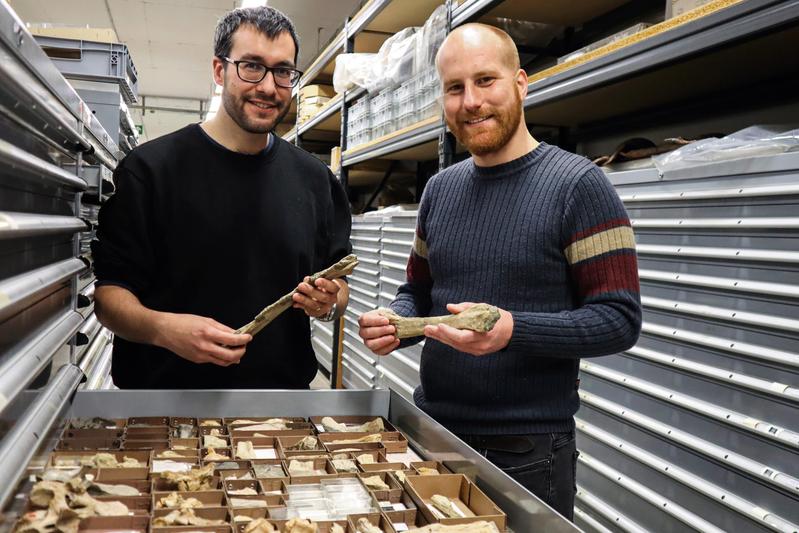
142	485
273	486
104	524
264	447
165	465
115	433
435	465
386	467
188	529
92	443
208	498
260	501
232	486
310	91
57	458
137	505
473	502
147	421
227	452
145	433
250	512
318	464
363	447
145	444
392	495
117	423
393	441
175	421
407	518
285	445
350	420
675	8
123	475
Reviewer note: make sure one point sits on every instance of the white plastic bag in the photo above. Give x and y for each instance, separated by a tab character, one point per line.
749	142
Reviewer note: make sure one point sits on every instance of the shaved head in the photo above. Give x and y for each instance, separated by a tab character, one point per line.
482	35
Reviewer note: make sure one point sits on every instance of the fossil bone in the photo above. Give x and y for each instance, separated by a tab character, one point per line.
267	471
175	500
305	443
373	426
365	526
213	455
300	525
374	437
194	479
209	441
260	525
480	318
184	517
427	471
345	465
445	505
376	483
339	270
244	450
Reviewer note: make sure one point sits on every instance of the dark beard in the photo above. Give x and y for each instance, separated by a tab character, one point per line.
235	110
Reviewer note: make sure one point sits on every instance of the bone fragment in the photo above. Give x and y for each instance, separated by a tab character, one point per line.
445	505
339	270
480	318
473	527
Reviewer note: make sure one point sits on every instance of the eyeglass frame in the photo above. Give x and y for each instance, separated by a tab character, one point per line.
267	70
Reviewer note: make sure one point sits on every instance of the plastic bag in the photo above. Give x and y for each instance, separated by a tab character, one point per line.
749	142
429	38
352	70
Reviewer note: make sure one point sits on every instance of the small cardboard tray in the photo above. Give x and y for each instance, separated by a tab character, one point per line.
114	433
208	498
147	421
145	444
232	485
90	443
472	502
349	420
107	524
318	464
435	465
392	495
142	457
393	441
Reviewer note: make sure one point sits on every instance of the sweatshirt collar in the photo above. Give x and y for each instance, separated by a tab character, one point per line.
511	167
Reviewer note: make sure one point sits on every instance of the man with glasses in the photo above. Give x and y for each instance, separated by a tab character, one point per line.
213	222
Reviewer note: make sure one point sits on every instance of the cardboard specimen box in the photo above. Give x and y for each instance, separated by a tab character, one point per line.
184	444
137	505
393	441
268	469
245	515
110	423
262	447
227	454
401	520
472	503
235	474
164	485
323	467
375	519
187	529
385	467
113	433
107	524
143	485
359	447
260	501
350	421
288	446
147	421
174	464
208	498
422	466
145	444
90	443
208	513
175	421
147	433
241	487
65	459
392	494
122	475
273	486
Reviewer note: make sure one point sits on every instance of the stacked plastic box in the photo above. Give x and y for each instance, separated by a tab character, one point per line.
359	123
406	98
382	110
428	89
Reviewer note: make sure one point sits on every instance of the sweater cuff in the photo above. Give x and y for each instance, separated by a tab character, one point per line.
521	336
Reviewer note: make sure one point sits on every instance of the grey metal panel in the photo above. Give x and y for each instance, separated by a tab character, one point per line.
18	291
19	446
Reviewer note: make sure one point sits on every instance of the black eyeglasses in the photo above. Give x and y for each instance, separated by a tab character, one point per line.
253	72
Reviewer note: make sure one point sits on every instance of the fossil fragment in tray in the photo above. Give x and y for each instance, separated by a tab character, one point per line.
339	270
373	426
473	527
61	506
480	318
195	479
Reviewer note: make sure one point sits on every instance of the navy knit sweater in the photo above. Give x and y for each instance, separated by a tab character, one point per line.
546	238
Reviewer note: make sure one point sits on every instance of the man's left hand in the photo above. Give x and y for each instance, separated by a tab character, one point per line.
316	300
473	342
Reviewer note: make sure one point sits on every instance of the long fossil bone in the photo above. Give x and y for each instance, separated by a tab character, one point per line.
339	270
480	317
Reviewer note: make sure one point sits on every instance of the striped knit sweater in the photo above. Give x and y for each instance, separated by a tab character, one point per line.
547	238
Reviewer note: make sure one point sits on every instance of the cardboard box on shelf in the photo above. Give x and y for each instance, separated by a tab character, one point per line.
310	91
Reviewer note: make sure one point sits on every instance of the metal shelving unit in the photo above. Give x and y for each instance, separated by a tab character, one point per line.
48	136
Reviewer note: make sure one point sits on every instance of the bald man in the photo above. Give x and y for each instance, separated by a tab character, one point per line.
534	230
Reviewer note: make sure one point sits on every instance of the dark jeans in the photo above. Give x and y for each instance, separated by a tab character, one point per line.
545	464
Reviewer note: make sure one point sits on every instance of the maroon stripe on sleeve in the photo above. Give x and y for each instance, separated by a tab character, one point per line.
610	273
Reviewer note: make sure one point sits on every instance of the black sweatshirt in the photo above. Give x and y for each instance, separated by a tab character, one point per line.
196	228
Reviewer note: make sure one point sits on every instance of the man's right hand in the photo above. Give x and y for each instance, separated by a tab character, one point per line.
377	334
201	339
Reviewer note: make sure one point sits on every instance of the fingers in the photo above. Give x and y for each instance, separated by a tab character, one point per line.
372	318
326	285
227	338
375	332
222	355
459	308
383	345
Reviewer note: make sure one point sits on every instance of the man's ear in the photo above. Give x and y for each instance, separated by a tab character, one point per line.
521	83
218	69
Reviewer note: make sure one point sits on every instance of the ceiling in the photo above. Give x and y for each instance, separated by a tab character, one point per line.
171	41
